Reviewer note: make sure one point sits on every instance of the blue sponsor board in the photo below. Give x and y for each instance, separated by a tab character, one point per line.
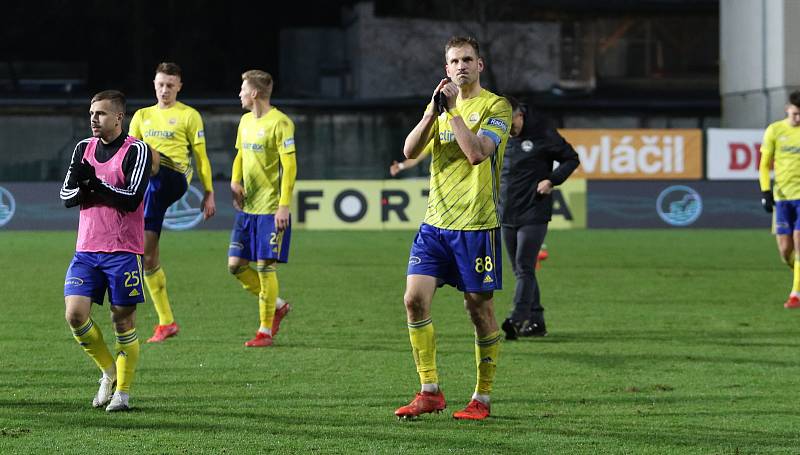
37	206
675	204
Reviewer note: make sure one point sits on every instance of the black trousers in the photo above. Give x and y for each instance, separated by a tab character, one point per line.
523	244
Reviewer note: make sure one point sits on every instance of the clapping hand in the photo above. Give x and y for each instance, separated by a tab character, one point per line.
83	172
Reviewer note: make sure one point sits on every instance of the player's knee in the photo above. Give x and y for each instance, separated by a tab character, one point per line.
235	269
414	303
75	319
150	264
122	322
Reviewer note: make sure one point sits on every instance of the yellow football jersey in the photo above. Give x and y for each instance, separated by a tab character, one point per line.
177	133
781	146
462	196
260	141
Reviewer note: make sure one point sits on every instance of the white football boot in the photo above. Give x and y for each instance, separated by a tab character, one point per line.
105	391
119	402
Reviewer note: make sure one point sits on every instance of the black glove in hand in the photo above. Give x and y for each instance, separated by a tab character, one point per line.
767	201
82	172
440	101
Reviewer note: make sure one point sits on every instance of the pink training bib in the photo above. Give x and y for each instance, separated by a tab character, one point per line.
107	229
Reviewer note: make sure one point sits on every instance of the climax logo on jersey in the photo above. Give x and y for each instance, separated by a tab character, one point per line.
679	205
7	206
253	146
185	213
73	281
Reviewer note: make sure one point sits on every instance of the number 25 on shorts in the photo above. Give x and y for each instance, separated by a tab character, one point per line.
131	279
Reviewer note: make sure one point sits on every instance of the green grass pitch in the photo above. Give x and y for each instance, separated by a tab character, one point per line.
661	342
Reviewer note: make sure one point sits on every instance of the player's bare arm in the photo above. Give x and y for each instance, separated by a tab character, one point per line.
421	134
209	206
237	191
282	218
475	148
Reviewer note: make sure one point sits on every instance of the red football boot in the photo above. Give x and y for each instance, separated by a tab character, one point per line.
279	315
423	403
475	410
261	340
162	332
793	302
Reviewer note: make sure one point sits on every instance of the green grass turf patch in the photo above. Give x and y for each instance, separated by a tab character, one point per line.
660	342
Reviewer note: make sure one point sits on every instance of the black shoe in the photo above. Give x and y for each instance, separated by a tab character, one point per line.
512	329
533	330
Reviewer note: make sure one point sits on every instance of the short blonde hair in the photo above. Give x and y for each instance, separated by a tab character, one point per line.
459	41
116	97
169	68
260	80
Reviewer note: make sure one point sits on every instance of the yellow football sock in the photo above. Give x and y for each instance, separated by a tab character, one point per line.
91	340
127	348
249	279
796	273
487	349
268	278
423	347
156	282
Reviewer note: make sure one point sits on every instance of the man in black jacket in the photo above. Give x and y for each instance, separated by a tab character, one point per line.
527	180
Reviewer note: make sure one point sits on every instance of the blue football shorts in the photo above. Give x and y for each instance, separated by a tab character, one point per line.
255	237
787	217
164	189
92	274
471	261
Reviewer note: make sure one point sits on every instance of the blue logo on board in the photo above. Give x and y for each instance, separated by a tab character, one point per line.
679	205
186	212
7	206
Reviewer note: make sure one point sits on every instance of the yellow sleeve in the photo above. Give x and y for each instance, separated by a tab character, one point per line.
497	123
135	128
198	141
236	172
288	157
767	156
285	136
288	176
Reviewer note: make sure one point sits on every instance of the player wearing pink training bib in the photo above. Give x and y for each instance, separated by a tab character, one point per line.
107	178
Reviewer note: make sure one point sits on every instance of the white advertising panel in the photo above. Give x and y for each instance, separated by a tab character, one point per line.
733	154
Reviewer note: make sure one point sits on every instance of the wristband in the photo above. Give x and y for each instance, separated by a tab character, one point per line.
401	166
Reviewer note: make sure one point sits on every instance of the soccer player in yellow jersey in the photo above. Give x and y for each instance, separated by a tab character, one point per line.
262	181
781	148
174	131
465	128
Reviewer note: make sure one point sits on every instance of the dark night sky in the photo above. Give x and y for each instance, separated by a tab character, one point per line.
119	43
